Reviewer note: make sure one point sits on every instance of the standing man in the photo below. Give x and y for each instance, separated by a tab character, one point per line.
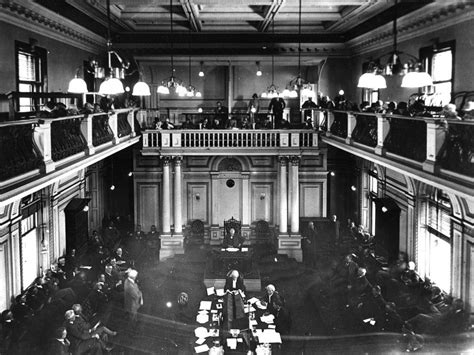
336	225
277	105
309	104
133	298
309	245
253	108
222	114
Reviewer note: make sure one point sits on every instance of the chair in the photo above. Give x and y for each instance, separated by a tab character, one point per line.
235	224
262	231
196	232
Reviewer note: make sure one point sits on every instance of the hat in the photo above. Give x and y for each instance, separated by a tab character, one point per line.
69	314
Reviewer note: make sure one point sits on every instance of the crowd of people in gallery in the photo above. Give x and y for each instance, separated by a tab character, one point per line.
66	310
362	292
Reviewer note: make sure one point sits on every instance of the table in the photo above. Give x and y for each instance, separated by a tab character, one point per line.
254	332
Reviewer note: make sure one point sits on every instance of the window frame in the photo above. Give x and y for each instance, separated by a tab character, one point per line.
40	84
426	57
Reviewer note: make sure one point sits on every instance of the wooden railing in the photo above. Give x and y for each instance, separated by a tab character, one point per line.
241	139
434	144
41	144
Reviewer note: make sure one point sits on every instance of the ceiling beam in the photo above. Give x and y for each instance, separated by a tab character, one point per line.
192	14
270	15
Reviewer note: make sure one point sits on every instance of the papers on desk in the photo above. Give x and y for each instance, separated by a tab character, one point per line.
269	336
201	348
220	292
213	332
210	291
202	318
253	323
86	267
253	300
232	343
245	249
260	305
248	309
267	318
205	305
232	250
371	321
200	341
201	332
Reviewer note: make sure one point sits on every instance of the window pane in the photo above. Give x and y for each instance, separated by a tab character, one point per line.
26	67
29	249
442	93
26	103
440	263
442	67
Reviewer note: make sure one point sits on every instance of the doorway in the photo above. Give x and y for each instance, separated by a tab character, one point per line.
387	228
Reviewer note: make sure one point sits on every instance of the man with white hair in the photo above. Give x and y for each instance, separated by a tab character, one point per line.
133	298
270	296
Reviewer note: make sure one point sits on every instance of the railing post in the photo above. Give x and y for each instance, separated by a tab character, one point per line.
295	139
42	138
351	123
165	140
330	122
383	127
176	139
435	137
145	139
319	119
131	122
86	130
315	139
284	139
114	127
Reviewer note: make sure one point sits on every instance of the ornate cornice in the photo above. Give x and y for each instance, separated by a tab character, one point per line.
428	19
32	17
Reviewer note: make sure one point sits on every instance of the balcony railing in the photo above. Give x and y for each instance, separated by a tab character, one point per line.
244	140
436	145
42	144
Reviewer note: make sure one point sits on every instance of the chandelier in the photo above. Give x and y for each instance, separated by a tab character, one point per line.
172	83
272	90
412	71
298	83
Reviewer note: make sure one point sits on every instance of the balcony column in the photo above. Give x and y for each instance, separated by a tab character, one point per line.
42	138
178	224
383	127
295	196
86	130
435	138
351	123
283	197
330	121
166	211
113	123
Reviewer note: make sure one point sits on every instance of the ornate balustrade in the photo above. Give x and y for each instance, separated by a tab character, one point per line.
163	141
17	151
435	145
44	144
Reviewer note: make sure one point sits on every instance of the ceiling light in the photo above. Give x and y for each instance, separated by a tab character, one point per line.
201	71
200	109
77	86
272	90
141	89
111	86
414	76
259	71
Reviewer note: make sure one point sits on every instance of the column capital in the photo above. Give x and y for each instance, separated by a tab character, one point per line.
178	161
295	160
166	161
283	160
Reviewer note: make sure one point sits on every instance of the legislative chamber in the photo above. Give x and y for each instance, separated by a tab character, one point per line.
247	177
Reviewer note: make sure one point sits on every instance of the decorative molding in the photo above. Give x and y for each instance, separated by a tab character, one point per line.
33	17
429	19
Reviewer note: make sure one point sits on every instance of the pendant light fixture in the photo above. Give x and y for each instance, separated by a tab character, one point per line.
412	71
298	83
172	82
77	85
140	88
112	84
272	90
201	70
191	90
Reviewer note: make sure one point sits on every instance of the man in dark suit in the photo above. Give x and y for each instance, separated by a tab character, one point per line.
234	303
59	344
82	340
282	318
310	244
270	296
231	240
133	298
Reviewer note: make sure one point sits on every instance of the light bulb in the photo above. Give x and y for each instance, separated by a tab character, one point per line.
130	173
353	188
384	209
333	173
112	187
201	74
200	110
259	72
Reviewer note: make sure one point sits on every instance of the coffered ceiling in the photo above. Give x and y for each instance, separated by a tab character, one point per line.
219	27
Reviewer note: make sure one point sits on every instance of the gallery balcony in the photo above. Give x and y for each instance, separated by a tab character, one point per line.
436	150
35	152
230	142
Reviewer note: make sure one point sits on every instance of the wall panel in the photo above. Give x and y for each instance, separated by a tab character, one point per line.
197	201
262	202
311	199
148	205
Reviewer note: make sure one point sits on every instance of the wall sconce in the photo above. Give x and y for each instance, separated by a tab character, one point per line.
262	196
197	196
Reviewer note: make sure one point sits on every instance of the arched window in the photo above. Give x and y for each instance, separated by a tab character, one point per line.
434	240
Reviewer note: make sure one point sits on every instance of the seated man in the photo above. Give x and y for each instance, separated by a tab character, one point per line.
282	318
231	240
270	296
82	340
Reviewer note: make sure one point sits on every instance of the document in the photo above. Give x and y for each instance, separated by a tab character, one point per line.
210	291
267	319
206	305
220	292
253	300
200	341
269	336
232	343
201	348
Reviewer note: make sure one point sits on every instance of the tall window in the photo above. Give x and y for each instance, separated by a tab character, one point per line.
434	244
439	61
31	73
373	190
29	250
